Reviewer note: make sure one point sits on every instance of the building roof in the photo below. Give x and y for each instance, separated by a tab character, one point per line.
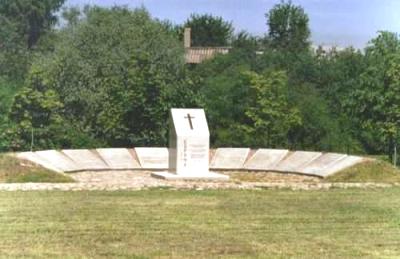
196	55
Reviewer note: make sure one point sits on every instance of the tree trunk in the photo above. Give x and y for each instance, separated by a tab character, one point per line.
391	149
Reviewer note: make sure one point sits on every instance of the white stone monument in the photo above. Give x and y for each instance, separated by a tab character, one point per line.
189	147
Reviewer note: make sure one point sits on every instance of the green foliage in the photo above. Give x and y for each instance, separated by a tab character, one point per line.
71	15
107	77
288	27
30	18
224	96
375	101
321	128
319	85
113	76
7	91
175	30
337	74
371	171
306	89
14	55
246	46
14	170
244	40
209	31
22	24
270	116
37	110
245	108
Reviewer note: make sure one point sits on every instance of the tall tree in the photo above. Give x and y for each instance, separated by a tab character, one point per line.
209	30
32	18
269	113
375	102
288	27
22	24
13	52
116	73
246	42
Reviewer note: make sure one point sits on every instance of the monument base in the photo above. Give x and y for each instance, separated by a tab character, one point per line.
211	176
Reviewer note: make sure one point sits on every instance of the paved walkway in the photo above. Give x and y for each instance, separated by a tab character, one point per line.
134	180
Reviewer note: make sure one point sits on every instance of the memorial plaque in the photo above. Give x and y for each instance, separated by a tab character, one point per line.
189	141
36	159
118	158
346	162
189	146
327	160
266	159
296	160
230	158
85	159
152	157
61	161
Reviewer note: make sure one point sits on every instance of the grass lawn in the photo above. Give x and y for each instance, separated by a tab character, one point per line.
165	223
13	170
374	171
377	171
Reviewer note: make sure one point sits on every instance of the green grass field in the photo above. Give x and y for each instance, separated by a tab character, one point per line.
377	171
164	223
13	170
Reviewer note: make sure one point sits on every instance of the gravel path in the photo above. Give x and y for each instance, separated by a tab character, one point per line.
134	180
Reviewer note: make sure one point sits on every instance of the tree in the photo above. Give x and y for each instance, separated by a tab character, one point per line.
224	96
321	128
22	24
245	107
32	18
14	55
116	73
37	112
209	31
288	27
71	15
7	92
247	44
271	117
375	102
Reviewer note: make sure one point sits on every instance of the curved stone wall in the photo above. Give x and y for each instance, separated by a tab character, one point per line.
277	160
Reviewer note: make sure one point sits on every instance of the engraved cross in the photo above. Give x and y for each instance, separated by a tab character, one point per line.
189	117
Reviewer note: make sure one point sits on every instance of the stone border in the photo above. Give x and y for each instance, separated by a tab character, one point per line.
187	186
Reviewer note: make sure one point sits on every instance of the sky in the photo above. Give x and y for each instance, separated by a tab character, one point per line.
340	23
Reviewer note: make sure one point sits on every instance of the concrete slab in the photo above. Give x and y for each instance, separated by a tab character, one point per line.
59	160
86	159
327	160
118	158
229	158
311	163
209	176
36	159
265	159
340	165
296	160
152	158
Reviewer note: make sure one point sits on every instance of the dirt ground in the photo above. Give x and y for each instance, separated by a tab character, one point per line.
138	180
